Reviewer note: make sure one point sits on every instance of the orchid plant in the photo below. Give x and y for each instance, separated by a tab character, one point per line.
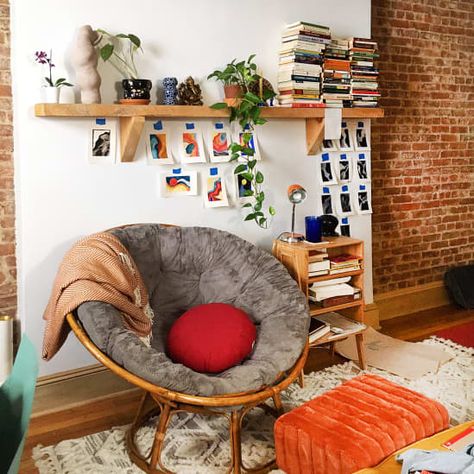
41	57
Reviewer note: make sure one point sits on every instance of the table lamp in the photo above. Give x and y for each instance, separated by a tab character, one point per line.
296	195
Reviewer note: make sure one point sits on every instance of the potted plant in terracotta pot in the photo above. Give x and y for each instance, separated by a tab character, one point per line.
246	113
52	87
236	77
120	50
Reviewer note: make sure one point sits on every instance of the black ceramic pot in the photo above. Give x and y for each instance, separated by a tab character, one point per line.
136	89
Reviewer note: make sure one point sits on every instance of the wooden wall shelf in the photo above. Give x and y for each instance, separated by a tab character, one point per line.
132	118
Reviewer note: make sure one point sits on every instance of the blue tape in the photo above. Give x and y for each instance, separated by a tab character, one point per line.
100	121
213	171
326	190
345	188
361	156
325	156
360	124
219	126
343	156
345	220
362	187
190	126
176	170
158	125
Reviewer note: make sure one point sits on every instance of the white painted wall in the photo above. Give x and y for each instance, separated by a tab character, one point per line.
61	198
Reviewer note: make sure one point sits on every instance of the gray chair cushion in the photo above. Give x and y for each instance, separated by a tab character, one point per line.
186	266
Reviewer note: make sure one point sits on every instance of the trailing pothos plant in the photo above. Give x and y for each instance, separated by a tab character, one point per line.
246	111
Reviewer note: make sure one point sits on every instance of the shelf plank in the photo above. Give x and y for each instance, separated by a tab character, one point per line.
187	111
315	310
332	277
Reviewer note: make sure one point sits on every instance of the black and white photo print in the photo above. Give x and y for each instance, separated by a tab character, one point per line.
344	175
345	227
344	202
329	145
326	201
361	137
100	142
363	199
326	173
345	142
362	165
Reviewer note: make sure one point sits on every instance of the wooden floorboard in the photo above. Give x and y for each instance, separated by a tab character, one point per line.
119	410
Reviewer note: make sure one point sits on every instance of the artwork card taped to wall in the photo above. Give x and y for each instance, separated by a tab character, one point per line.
364	199
244	188
158	149
191	146
362	167
220	141
326	203
327	176
216	194
344	168
102	141
178	182
344	202
345	142
249	139
344	227
361	136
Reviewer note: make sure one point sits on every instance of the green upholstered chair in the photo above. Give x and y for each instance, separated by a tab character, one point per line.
16	400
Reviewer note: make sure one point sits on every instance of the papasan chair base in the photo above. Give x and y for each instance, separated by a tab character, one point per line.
166	403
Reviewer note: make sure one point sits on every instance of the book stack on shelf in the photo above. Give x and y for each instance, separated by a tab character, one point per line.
344	263
333	292
300	67
364	81
336	86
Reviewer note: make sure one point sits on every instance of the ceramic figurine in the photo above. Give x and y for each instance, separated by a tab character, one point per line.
189	93
84	58
170	90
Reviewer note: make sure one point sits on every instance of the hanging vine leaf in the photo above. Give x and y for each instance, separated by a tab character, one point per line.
106	51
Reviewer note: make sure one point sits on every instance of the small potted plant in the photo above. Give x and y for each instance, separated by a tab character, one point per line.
119	50
246	112
52	87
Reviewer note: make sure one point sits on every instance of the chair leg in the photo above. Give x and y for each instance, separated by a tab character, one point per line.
361	351
278	404
301	379
160	436
235	441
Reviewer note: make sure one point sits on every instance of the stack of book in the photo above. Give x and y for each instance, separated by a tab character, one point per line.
300	67
331	294
344	263
336	87
317	329
364	81
339	325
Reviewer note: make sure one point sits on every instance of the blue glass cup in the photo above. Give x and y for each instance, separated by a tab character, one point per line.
313	229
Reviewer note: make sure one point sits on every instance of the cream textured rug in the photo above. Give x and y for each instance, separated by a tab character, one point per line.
200	445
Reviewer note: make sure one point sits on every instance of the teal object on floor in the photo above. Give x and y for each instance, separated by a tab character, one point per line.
16	400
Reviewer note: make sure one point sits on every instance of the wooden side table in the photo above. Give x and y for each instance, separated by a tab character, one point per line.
297	257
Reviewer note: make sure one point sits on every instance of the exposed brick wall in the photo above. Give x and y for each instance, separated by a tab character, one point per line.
423	150
7	199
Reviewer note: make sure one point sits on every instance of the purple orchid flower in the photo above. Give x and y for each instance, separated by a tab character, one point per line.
41	57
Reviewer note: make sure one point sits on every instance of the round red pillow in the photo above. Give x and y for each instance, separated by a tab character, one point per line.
211	337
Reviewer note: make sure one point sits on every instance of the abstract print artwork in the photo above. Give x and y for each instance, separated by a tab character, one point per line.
190	145
363	172
216	195
345	207
157	144
252	144
220	140
363	200
326	173
361	136
345	141
178	183
102	140
244	188
345	227
344	175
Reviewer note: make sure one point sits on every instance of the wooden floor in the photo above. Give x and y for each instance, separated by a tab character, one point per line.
119	410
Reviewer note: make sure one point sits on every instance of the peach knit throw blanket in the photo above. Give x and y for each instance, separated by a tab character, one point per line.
97	268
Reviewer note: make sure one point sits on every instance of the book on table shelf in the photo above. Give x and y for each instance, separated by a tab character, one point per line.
461	440
340	326
321	293
317	330
336	300
318	268
344	263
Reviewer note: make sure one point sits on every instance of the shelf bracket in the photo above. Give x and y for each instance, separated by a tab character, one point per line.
314	134
130	131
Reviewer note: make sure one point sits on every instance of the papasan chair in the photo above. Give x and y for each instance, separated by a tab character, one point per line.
183	267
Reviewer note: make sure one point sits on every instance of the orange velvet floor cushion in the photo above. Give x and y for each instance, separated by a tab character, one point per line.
353	426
